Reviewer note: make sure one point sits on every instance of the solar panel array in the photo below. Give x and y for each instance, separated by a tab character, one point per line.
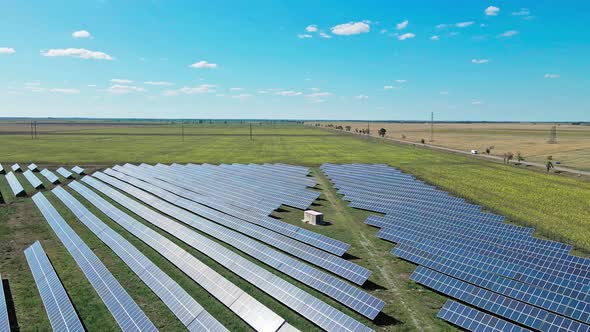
293	297
33	179
4	321
50	176
184	307
60	311
64	172
243	305
78	170
15	186
514	280
33	167
125	311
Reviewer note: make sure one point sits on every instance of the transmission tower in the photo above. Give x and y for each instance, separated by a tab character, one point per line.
553	135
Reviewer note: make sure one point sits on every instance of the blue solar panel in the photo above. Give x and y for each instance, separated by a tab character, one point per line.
60	311
64	172
125	311
50	176
184	307
4	321
475	320
15	186
33	179
310	307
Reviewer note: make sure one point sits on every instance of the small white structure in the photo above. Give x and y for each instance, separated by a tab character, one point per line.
474	152
313	217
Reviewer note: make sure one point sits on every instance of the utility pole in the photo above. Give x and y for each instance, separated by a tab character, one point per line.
182	126
32	130
35	129
250	130
553	135
432	126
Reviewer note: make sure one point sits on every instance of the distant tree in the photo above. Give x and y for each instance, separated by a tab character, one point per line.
519	157
382	132
422	141
356	130
348	128
403	136
549	165
508	156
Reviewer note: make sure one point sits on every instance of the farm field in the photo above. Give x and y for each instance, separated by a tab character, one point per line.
572	148
555	205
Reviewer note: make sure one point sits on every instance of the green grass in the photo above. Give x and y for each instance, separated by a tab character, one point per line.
555	205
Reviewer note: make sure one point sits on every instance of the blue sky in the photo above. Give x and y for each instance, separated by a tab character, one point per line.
398	60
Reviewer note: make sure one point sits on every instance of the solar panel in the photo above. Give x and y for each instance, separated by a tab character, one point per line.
17	188
337	265
298	300
184	307
4	321
60	311
494	303
351	296
78	170
2	171
32	167
33	179
475	320
50	176
254	313
125	311
16	168
64	172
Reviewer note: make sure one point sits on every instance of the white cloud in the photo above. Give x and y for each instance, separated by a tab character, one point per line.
382	31
91	85
157	83
361	97
7	50
77	53
351	28
464	24
33	83
324	35
311	28
81	34
304	36
402	25
203	64
123	89
242	96
388	87
508	34
441	26
477	102
203	88
435	38
236	89
401	81
522	12
480	61
288	93
551	75
492	11
121	81
405	36
67	91
319	94
444	93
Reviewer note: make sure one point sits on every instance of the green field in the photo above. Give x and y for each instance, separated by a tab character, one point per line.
555	205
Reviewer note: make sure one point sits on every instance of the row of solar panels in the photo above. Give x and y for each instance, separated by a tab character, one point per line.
513	279
219	226
4	320
34	181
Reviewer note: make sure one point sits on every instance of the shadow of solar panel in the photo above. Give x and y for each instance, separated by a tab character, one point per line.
125	311
60	311
310	307
497	304
474	320
184	307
